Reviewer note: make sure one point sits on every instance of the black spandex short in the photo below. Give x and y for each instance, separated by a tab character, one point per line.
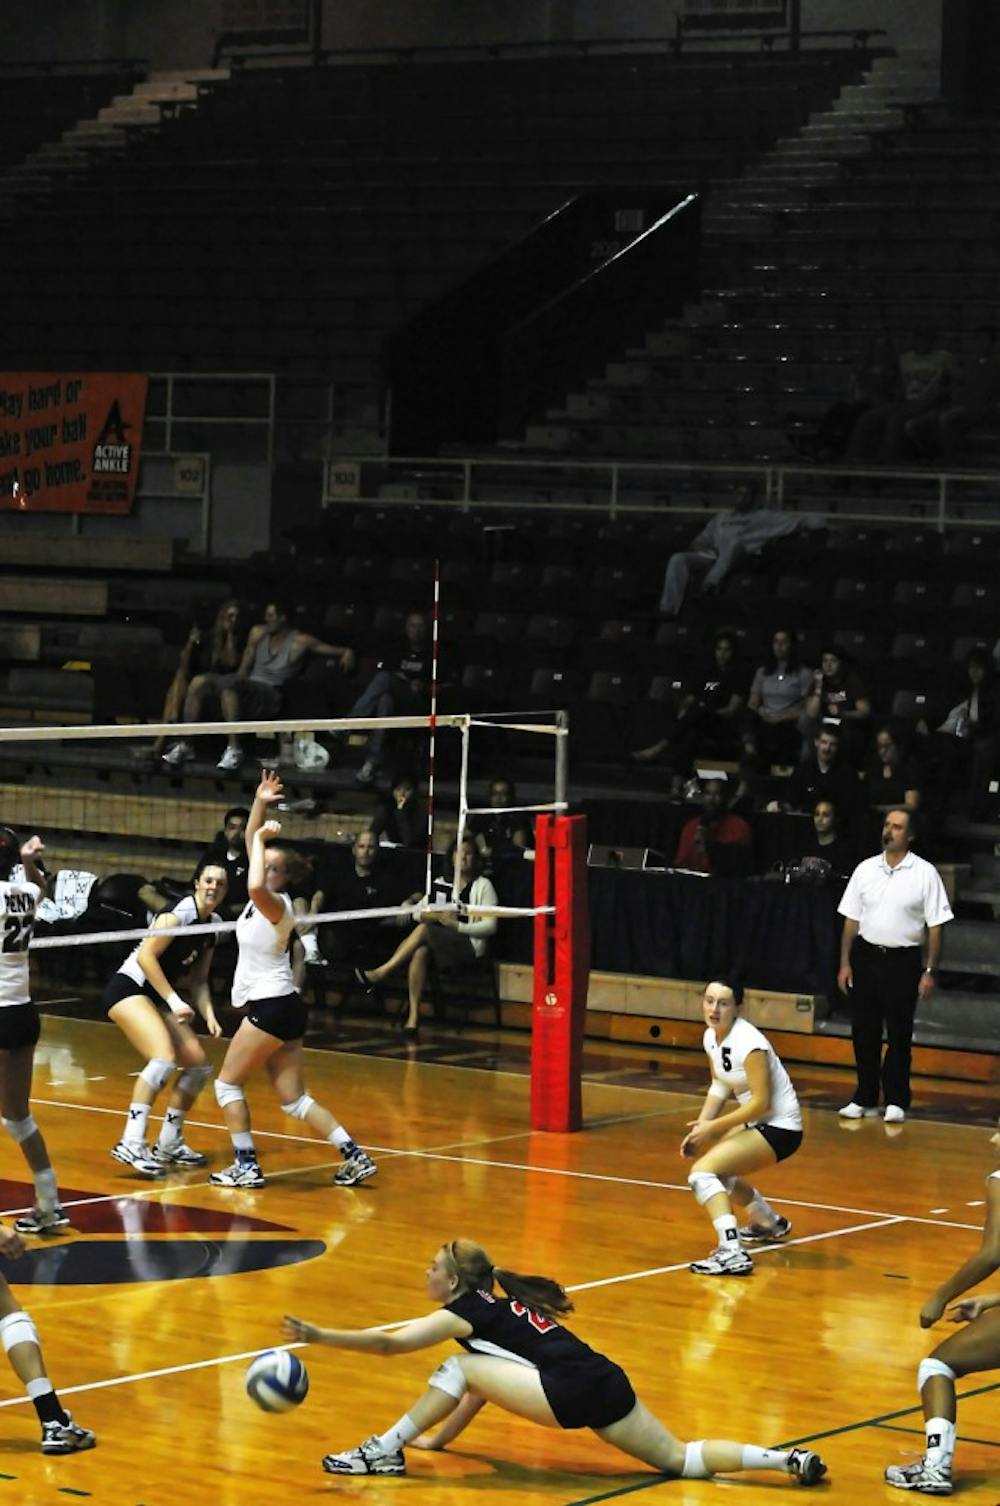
19	1026
120	986
784	1142
285	1017
594	1395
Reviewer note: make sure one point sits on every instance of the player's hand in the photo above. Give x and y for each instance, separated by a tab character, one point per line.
212	1023
298	1328
966	1310
268	829
11	1243
270	787
33	847
182	1012
931	1312
845	978
700	1134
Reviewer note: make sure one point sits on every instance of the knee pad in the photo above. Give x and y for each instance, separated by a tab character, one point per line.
193	1079
694	1463
156	1073
227	1092
300	1108
704	1185
20	1129
450	1377
930	1367
17	1328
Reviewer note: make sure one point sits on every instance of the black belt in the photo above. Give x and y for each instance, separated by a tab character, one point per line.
875	947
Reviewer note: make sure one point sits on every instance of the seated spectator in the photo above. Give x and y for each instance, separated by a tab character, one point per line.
204	657
502	834
974	401
732	534
875	382
894	780
827	842
228	850
963	749
704	836
776	704
708	714
354	880
399	687
925	372
401	821
441	937
838	695
821	776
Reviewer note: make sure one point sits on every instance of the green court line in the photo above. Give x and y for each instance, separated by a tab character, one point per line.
919	1433
848	1427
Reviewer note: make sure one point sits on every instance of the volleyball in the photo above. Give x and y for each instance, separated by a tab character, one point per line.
277	1381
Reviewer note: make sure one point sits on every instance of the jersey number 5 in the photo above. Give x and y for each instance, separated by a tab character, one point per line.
535	1319
727	1060
17	933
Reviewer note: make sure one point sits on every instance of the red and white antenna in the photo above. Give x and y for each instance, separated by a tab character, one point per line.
435	623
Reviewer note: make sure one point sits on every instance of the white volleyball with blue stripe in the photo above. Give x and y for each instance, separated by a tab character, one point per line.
277	1381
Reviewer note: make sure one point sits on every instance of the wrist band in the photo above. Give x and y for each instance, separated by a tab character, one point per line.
176	1003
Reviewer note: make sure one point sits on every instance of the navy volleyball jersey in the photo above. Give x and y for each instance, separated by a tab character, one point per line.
182	952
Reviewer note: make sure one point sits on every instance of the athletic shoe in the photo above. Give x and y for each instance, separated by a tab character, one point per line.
42	1221
930	1479
369	1458
366	775
857	1111
240	1174
734	1262
357	1168
807	1467
894	1114
760	1234
139	1156
231	759
178	753
66	1437
178	1154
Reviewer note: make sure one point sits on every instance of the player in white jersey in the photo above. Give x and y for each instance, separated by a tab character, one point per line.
18	1035
975	1349
764	1127
274	1024
142	1000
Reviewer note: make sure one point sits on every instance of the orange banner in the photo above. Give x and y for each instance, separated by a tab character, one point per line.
70	442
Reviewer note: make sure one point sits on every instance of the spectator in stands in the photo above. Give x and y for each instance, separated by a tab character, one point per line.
776	704
744	529
875	382
827	842
839	696
399	687
349	881
228	849
974	401
708	713
703	839
963	750
894	780
925	371
274	651
401	821
503	834
821	776
204	657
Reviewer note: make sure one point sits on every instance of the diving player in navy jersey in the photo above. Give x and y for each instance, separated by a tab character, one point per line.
520	1357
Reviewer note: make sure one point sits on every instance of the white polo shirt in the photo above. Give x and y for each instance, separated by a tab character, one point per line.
893	905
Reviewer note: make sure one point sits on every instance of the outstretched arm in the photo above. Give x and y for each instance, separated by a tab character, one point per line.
977	1268
423	1333
268	792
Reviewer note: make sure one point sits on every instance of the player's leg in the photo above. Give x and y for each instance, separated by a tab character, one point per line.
249	1049
47	1216
711	1179
285	1071
644	1437
194	1072
145	1029
60	1434
447	1395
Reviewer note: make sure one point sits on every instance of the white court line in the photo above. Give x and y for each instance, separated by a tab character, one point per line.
226	1359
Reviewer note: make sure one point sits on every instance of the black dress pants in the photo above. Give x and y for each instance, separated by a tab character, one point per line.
884	996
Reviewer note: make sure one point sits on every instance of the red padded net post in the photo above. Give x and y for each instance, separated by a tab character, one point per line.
562	971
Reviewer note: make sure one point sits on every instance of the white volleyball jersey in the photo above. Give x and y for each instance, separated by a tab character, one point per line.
180	956
17	920
264	969
729	1067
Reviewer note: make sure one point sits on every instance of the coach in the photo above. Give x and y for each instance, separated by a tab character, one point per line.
888	901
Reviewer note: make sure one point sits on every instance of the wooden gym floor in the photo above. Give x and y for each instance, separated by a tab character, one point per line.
150	1310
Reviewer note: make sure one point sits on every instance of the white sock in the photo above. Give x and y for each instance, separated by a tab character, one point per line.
172	1129
342	1139
40	1387
728	1231
763	1458
46	1189
137	1123
940	1441
310	946
242	1140
760	1210
399	1436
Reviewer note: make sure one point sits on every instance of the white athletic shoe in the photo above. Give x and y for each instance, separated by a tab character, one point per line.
894	1114
66	1437
724	1262
240	1174
369	1458
856	1111
178	1154
357	1168
761	1234
178	753
231	759
139	1156
930	1479
39	1221
806	1467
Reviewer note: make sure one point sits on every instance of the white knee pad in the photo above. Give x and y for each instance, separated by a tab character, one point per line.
193	1079
20	1129
227	1092
927	1368
300	1108
156	1073
17	1328
450	1377
694	1463
704	1185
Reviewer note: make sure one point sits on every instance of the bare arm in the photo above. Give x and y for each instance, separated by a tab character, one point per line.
250	652
268	791
148	958
706	1130
201	994
423	1333
270	905
305	643
977	1268
31	850
845	977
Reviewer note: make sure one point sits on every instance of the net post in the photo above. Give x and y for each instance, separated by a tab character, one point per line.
561	973
463	807
562	756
